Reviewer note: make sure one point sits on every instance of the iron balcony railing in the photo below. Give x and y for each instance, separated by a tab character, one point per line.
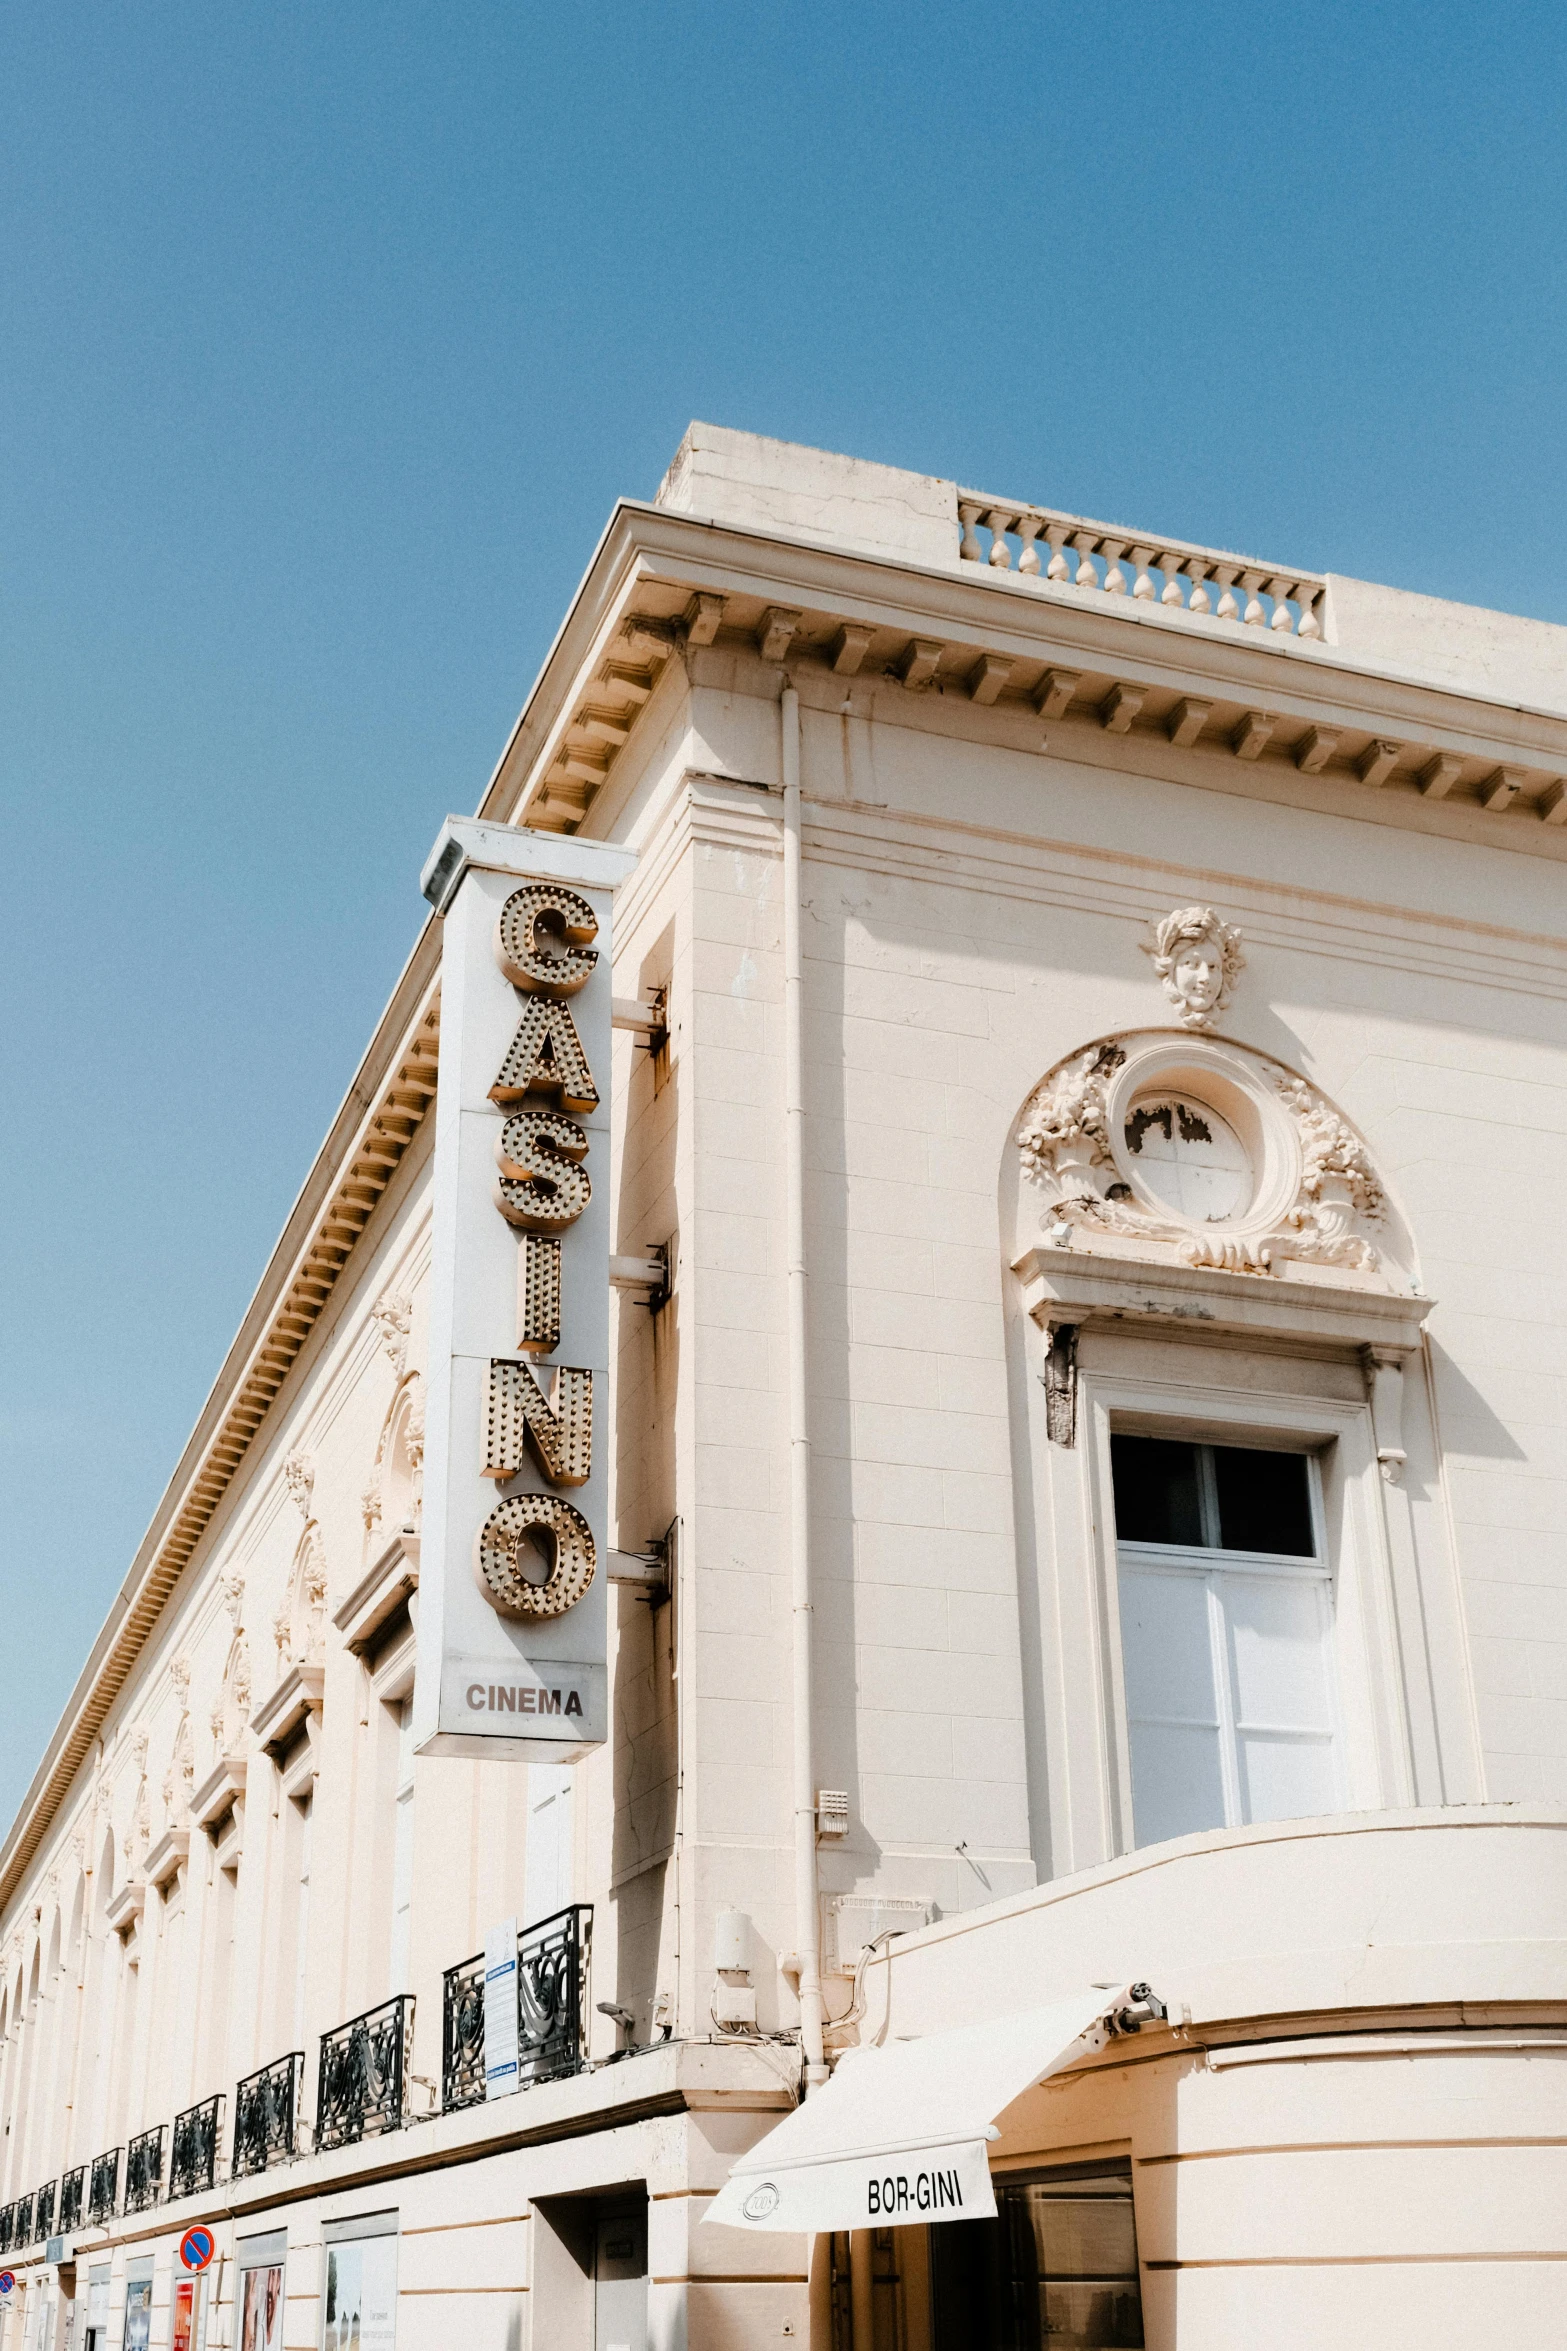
25	2231
266	2115
144	2170
73	2194
553	1959
364	2074
43	2212
7	2228
103	2187
193	2149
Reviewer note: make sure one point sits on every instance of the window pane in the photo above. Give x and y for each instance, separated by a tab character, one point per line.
1171	1706
1279	1633
1156	1493
1056	2270
1278	1629
1264	1501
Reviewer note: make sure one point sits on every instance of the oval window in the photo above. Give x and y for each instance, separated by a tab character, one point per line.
1190	1158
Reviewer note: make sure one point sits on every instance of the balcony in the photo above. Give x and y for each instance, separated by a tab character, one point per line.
193	2149
73	2195
43	2212
552	1981
23	2231
144	2170
364	2074
103	2188
266	2115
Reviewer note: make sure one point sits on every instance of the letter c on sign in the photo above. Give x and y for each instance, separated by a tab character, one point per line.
569	922
475	1696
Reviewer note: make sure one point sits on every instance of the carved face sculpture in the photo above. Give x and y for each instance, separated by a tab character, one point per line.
1199	974
1196	956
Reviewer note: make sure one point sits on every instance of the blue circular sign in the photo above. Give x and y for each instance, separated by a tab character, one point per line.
197	2248
7	2280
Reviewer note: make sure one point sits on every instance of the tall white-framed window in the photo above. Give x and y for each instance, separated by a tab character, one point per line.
403	1846
547	1867
1226	1608
304	1834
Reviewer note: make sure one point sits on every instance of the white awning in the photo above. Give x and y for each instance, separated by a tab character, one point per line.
899	2134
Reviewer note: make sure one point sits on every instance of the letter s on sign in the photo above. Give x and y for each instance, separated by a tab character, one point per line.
543	1187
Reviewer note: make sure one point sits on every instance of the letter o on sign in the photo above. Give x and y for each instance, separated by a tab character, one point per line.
501	1579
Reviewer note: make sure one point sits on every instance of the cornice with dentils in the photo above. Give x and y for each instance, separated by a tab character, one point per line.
662	582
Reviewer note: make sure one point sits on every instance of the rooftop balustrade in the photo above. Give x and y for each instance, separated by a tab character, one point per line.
266	2115
553	1960
1092	556
193	2149
144	2170
103	2188
364	2073
73	2195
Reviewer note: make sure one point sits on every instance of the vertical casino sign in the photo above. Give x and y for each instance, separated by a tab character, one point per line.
513	1606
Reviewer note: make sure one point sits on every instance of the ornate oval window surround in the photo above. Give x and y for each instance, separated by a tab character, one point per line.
1168	1145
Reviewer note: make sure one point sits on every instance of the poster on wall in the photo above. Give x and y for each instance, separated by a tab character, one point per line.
186	2333
138	2315
361	2295
261	2310
513	1625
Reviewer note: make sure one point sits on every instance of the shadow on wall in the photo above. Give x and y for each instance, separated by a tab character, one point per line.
647	1364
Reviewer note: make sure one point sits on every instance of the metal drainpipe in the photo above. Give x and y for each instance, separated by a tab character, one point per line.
807	1924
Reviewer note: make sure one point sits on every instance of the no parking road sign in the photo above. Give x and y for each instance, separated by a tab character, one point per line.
7	2281
196	2248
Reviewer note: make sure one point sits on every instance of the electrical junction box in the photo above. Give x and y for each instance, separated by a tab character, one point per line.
853	1920
734	2004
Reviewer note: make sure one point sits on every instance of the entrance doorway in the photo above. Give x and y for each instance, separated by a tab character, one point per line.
620	2279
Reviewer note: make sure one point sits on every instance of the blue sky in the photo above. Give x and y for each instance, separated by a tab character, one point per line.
328	336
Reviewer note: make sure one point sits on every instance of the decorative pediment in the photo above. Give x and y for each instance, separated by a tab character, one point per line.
279	1717
1183	1148
167	1857
390	1579
126	1905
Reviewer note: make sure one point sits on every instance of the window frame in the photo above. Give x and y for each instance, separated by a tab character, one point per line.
1091	1791
1214	1564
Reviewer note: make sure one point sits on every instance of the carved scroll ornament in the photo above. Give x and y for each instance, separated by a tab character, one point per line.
1068	1151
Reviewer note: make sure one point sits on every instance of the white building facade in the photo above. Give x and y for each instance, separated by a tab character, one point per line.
1065	1512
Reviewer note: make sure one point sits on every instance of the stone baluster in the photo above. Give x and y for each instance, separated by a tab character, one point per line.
1029	527
1115	577
1308	599
1059	567
1197	572
968	546
1172	568
1000	522
1085	575
1283	618
1254	616
1142	586
1226	575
